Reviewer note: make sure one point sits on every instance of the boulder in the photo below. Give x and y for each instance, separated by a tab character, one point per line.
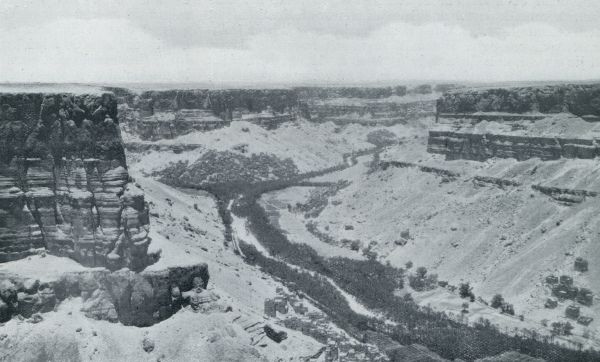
148	345
274	335
5	313
100	306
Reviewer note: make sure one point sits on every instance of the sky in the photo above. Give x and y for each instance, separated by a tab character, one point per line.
280	41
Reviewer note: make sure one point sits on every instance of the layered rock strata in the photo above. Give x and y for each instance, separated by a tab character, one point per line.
64	184
446	174
157	115
579	99
139	299
480	146
375	113
565	195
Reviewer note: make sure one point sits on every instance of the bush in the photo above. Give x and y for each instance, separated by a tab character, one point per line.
382	138
409	265
420	282
561	329
507	308
465	290
497	301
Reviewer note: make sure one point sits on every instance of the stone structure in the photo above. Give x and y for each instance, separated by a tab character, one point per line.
64	184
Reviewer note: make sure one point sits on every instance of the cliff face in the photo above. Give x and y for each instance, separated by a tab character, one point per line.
579	99
372	112
480	147
168	114
64	184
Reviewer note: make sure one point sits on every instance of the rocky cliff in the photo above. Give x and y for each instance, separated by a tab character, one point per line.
579	99
370	113
64	185
482	146
156	115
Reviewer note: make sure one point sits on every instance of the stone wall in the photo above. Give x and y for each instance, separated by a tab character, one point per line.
480	147
64	184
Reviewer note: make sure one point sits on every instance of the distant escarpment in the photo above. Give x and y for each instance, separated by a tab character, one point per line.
156	115
546	122
482	146
64	185
370	113
580	99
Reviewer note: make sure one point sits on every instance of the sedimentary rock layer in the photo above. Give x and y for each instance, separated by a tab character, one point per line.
579	99
139	299
64	184
374	112
480	147
156	115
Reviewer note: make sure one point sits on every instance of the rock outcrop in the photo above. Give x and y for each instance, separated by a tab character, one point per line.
64	184
370	113
480	146
579	99
139	299
565	195
156	115
445	174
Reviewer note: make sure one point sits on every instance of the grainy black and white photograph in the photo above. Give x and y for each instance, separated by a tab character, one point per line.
309	181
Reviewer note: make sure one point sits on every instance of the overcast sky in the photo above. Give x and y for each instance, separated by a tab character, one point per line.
280	41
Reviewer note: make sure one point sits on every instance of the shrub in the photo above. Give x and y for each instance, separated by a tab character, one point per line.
421	271
497	301
465	307
465	290
408	264
507	308
561	329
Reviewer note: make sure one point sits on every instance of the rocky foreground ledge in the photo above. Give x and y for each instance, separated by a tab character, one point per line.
139	299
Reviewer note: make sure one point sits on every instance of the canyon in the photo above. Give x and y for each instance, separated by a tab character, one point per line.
289	223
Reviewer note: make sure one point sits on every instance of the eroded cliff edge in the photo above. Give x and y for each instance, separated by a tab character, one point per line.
64	185
65	191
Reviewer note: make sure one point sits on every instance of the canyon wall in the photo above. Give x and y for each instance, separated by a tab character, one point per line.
480	147
156	115
371	113
64	185
579	99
